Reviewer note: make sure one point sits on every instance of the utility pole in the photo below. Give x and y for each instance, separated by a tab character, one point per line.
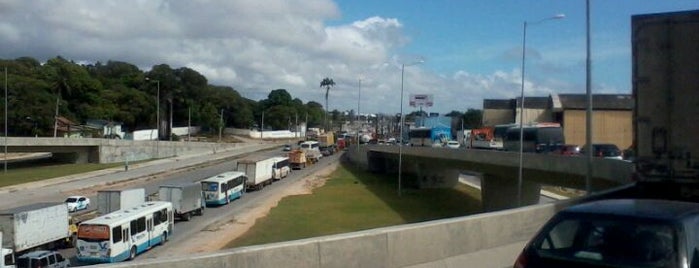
220	127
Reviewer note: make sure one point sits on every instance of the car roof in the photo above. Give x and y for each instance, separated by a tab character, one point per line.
640	208
36	254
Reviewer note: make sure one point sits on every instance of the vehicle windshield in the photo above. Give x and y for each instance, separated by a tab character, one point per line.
71	200
209	186
610	241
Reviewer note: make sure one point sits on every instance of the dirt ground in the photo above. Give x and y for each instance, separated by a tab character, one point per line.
216	236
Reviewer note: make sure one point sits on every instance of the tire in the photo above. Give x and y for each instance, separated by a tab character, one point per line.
187	216
132	253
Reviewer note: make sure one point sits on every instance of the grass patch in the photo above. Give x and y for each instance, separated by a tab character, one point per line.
43	172
353	200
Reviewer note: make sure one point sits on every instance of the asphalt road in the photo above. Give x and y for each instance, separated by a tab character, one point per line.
185	230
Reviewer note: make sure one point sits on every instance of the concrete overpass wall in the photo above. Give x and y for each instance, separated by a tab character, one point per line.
430	244
89	150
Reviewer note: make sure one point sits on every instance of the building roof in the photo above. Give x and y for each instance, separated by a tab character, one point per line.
599	101
535	102
500	104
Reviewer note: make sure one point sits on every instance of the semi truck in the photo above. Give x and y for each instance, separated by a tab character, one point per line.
40	225
258	170
187	199
665	81
113	200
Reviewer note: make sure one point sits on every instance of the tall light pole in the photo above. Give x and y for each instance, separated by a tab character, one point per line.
402	118
521	108
588	91
6	102
157	117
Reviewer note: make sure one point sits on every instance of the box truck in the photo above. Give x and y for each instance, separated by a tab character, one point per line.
41	225
113	200
258	170
186	198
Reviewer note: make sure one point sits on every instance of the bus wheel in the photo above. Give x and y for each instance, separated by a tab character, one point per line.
132	254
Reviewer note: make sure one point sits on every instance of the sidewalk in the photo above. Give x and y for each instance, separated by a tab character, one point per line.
145	169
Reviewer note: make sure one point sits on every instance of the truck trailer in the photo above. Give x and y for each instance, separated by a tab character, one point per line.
40	225
665	81
258	170
112	200
186	198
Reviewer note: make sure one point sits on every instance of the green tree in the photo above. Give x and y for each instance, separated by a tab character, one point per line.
327	83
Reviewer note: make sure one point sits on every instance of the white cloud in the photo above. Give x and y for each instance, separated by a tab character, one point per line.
253	46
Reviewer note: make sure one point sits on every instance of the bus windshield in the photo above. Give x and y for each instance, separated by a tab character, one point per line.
209	186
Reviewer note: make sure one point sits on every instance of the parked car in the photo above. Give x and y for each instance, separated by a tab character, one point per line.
77	202
453	144
617	233
605	150
43	259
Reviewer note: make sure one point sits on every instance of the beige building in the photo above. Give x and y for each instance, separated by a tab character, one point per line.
611	115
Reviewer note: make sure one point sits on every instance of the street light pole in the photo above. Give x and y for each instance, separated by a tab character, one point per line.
402	118
588	112
521	107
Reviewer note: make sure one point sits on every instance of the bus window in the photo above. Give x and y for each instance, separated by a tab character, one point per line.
116	234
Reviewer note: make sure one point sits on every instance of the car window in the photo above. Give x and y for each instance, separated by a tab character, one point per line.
52	259
624	243
70	200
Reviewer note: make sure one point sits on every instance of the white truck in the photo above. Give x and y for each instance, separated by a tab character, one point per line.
40	225
187	199
113	200
258	170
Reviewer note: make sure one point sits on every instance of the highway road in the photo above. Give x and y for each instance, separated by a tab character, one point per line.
184	230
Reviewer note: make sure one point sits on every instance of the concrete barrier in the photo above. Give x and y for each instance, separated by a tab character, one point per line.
429	244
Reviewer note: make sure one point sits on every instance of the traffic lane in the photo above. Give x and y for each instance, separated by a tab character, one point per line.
225	214
215	216
56	191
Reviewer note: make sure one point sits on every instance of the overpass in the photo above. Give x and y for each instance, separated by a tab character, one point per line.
426	167
97	150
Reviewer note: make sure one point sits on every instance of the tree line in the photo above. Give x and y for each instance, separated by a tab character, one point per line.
120	92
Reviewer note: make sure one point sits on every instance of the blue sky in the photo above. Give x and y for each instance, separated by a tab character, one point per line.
472	50
482	37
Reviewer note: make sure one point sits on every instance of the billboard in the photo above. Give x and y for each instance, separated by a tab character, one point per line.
420	100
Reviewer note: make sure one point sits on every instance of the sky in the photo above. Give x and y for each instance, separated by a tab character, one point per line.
459	51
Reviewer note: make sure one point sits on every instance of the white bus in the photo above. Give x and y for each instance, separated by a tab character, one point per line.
223	188
123	234
281	167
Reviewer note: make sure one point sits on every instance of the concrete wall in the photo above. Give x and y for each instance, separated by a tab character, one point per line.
398	246
493	117
608	127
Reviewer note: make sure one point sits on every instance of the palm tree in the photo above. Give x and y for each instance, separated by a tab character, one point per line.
327	83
